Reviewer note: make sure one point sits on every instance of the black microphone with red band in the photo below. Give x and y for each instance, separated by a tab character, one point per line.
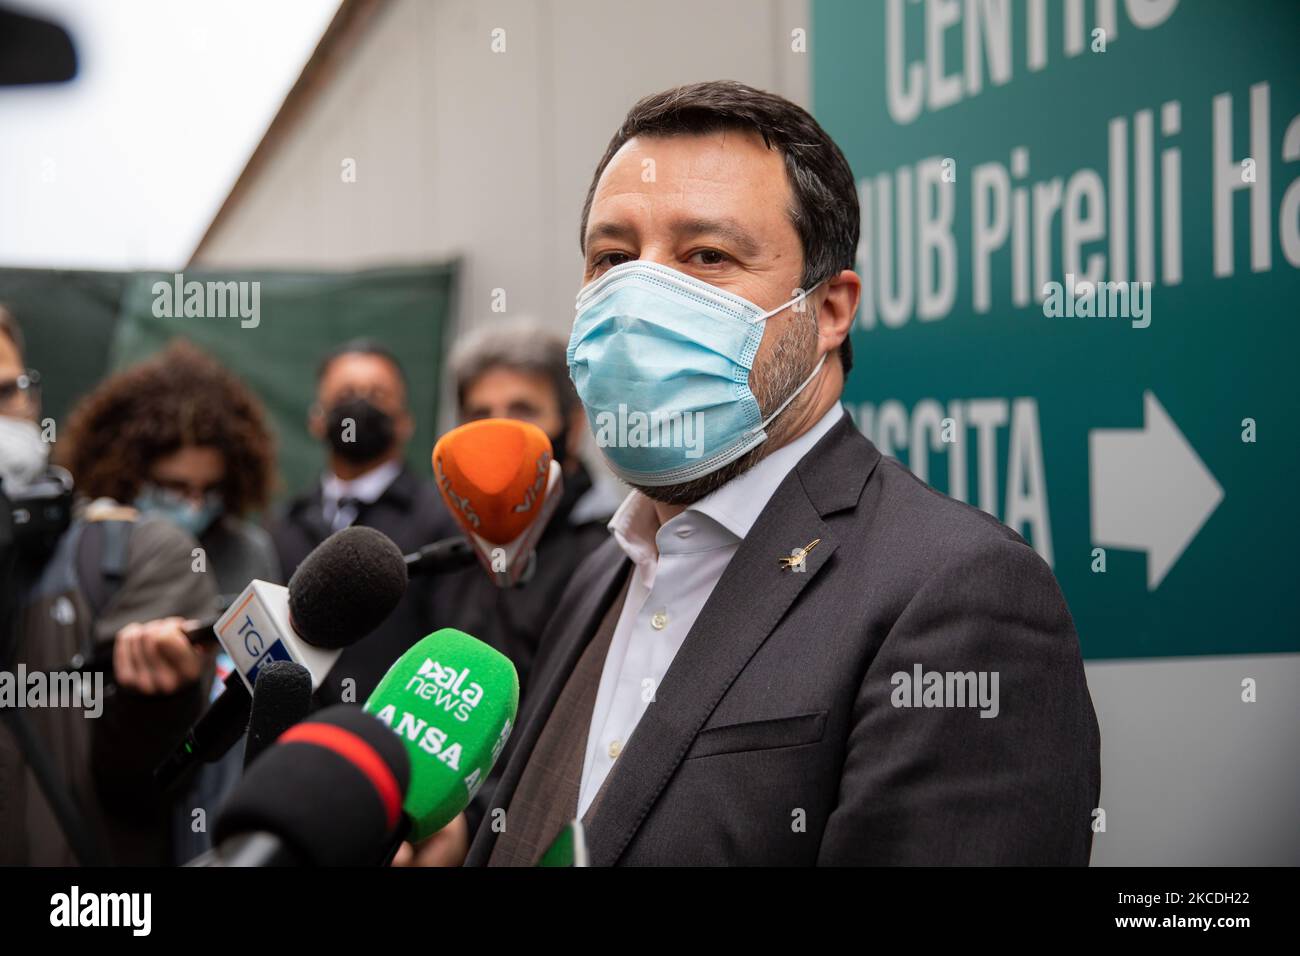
328	793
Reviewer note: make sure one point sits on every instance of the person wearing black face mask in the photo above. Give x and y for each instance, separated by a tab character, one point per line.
370	438
361	418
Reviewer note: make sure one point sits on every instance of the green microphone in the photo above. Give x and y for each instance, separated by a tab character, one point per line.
452	700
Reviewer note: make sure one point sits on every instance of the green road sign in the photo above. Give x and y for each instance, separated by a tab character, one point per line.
1080	253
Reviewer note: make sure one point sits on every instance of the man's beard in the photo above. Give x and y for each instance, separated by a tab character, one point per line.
790	363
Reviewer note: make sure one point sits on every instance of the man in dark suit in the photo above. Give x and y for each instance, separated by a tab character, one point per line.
361	416
792	651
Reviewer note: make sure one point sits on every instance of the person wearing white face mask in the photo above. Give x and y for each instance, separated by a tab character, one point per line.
23	452
717	685
76	784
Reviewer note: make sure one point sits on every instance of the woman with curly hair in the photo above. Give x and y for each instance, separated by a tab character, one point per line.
179	435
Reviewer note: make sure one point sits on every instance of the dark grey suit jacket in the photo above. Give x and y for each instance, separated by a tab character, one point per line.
773	738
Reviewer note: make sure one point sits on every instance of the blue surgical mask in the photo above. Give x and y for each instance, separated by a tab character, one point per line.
179	510
661	361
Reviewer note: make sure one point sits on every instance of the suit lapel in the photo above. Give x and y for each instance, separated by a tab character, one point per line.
749	600
746	605
573	635
309	514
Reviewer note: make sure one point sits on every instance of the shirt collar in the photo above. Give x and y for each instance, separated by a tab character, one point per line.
738	503
734	507
365	488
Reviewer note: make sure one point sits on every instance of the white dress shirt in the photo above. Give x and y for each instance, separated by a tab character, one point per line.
366	489
676	566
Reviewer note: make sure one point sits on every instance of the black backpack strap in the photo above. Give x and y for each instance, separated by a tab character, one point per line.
101	561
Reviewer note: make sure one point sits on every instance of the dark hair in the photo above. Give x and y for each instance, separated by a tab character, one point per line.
361	347
524	345
825	211
180	398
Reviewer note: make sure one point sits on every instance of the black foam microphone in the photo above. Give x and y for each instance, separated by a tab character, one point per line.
329	793
341	592
345	588
281	698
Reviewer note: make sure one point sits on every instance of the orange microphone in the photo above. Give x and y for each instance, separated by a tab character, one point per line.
502	484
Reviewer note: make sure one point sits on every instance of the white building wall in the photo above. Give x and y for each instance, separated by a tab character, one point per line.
487	156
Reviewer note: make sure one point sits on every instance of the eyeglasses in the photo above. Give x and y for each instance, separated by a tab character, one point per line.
21	394
178	491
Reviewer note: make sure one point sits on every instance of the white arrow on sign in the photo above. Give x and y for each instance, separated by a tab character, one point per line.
1149	489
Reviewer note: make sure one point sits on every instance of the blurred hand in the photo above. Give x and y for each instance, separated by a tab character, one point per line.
157	658
448	847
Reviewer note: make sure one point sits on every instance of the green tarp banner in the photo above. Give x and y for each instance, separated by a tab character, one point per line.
300	315
270	327
1000	148
68	319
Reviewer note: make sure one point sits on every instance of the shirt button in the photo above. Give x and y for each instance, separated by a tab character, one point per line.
685	532
615	748
659	621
